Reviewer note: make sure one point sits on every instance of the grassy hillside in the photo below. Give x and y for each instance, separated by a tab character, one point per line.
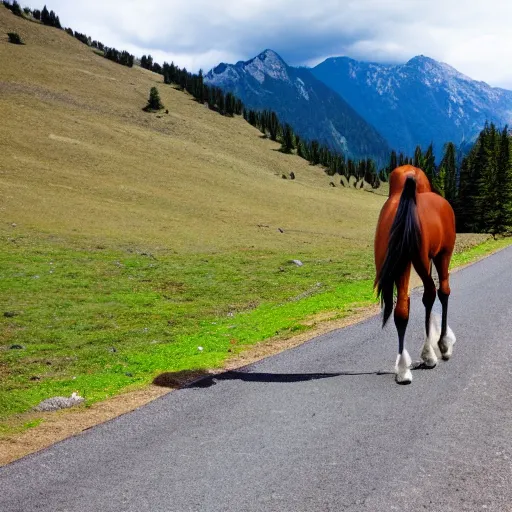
77	139
133	244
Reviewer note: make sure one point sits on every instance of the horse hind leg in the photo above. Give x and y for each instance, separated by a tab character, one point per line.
446	338
428	354
403	373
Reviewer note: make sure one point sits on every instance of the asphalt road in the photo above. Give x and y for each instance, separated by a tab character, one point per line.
300	432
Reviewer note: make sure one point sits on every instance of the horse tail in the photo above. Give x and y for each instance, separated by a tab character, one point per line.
404	244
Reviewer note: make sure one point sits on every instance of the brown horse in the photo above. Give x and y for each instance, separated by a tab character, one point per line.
416	227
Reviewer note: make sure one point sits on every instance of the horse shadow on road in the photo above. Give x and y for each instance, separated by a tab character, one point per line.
204	379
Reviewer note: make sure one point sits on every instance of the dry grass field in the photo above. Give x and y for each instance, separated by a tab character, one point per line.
80	157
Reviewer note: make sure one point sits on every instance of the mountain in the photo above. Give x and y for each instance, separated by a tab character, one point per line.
312	109
417	102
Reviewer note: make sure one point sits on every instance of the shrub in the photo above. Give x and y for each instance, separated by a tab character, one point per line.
15	38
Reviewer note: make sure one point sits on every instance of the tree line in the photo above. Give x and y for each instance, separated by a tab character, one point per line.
49	18
478	184
483	201
228	104
45	16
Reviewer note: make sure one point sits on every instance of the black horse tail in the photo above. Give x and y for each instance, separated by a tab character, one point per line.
404	244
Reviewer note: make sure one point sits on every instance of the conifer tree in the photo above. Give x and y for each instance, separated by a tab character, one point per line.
393	162
418	158
502	219
154	102
313	152
288	139
429	163
448	171
45	16
273	127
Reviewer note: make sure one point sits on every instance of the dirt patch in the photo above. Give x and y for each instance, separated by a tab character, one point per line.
63	139
97	75
60	425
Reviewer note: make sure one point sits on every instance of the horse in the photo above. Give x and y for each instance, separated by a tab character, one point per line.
416	227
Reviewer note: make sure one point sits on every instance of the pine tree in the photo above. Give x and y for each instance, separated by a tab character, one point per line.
313	152
351	169
252	117
45	16
302	150
486	163
288	139
273	126
154	102
200	87
448	171
429	163
439	182
502	221
16	9
393	163
418	158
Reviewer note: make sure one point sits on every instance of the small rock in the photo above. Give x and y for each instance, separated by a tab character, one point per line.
13	224
58	402
35	377
9	314
129	374
200	349
16	347
113	350
297	262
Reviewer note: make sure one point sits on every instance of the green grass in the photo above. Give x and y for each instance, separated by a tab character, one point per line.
474	253
98	320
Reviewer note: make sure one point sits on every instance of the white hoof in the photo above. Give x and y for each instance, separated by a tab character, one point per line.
404	378
428	355
446	344
402	371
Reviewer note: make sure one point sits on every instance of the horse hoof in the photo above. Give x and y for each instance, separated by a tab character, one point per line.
429	364
446	350
404	378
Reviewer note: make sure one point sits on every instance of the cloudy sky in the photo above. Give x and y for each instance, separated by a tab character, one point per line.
471	35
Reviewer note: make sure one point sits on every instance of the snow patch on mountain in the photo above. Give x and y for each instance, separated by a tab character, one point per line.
301	88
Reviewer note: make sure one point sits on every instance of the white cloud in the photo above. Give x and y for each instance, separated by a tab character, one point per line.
473	37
